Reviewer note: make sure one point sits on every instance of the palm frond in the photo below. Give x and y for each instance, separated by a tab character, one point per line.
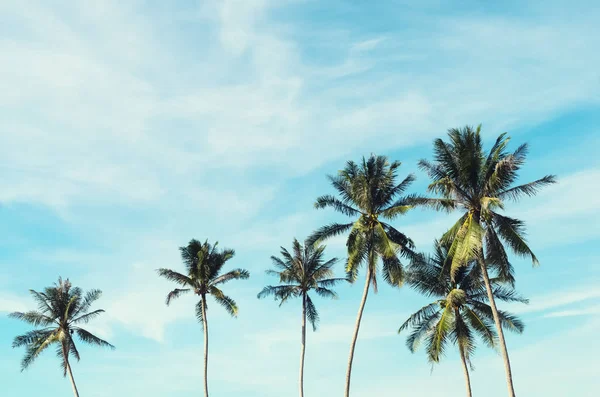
176	277
228	304
496	257
85	318
463	336
236	274
421	330
512	232
199	315
33	350
32	337
33	317
503	293
87	301
393	271
507	320
73	349
482	326
325	293
176	293
92	339
337	205
528	189
42	301
330	282
421	315
328	231
437	340
311	313
466	245
280	292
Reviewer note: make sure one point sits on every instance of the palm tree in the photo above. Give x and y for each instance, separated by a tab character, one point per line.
460	310
369	192
203	263
299	273
479	183
61	311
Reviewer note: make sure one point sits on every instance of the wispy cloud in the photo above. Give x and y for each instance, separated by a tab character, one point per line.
10	303
558	299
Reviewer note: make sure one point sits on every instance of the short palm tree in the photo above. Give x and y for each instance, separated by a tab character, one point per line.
62	309
203	263
479	182
460	310
300	272
370	193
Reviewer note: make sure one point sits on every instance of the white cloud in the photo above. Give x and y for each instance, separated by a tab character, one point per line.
110	109
557	299
107	120
575	312
10	303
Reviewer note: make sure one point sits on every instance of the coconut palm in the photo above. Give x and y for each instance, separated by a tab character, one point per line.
203	263
369	193
300	272
62	309
479	182
460	310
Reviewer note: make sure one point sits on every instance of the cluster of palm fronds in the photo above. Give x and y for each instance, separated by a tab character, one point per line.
468	271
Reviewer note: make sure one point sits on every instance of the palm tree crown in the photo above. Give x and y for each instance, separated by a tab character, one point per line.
479	183
370	192
204	263
460	309
62	309
299	272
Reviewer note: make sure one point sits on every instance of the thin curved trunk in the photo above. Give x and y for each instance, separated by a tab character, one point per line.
488	287
75	392
303	349
68	365
356	328
466	371
205	325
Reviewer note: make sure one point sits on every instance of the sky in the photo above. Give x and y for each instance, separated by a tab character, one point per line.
129	127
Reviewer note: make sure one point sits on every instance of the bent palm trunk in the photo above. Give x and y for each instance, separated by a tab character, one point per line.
66	358
356	328
205	325
466	371
488	287
303	349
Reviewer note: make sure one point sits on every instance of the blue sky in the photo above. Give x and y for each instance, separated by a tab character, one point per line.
130	127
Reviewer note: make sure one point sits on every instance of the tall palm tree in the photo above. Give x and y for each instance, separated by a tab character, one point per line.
203	263
299	273
61	311
479	182
370	193
460	309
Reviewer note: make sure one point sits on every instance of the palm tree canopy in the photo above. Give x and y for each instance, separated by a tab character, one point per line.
62	309
480	182
203	276
302	271
370	193
460	310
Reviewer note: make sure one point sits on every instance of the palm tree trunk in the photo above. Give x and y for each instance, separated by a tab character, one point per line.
68	365
303	349
466	371
205	325
75	392
356	328
488	287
